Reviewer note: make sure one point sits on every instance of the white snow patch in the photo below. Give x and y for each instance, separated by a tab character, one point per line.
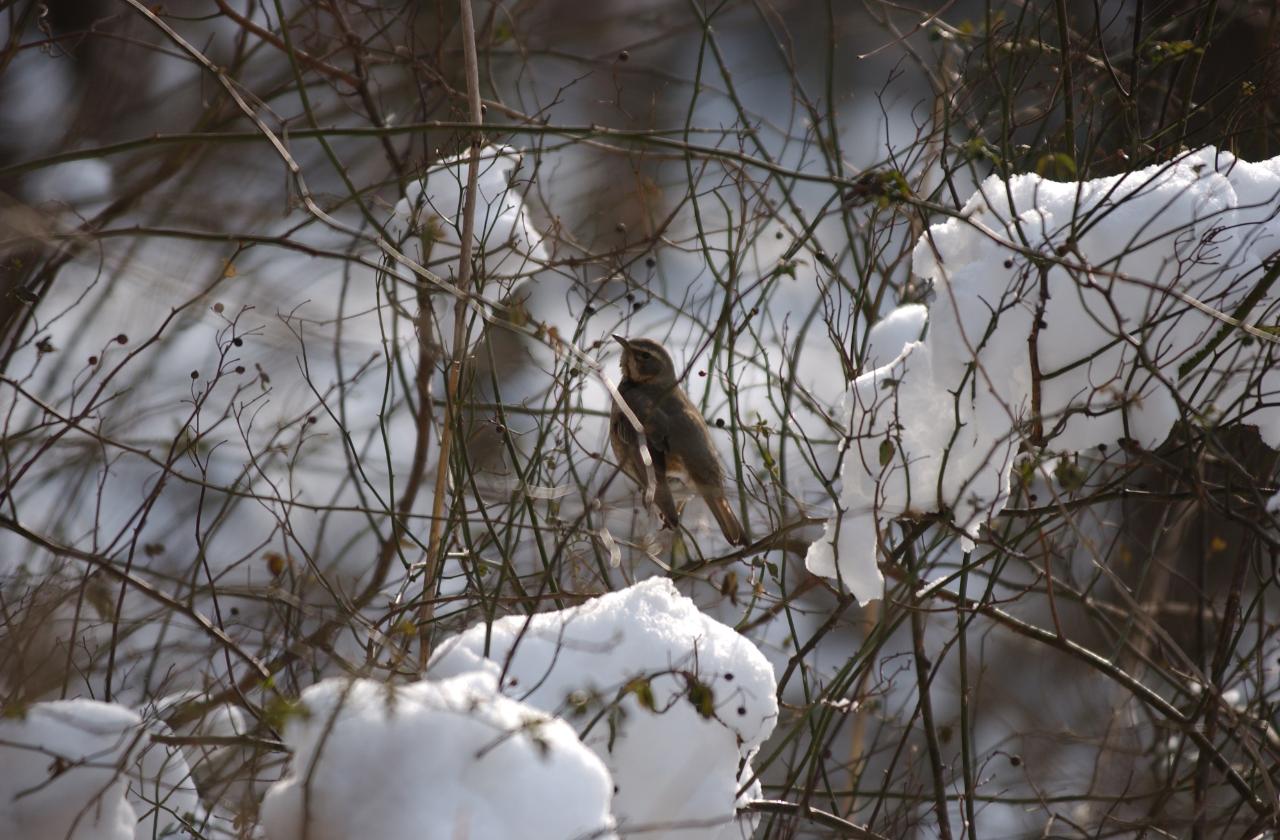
66	771
1124	348
435	760
85	770
672	700
889	336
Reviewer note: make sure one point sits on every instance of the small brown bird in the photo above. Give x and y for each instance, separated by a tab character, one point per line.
674	431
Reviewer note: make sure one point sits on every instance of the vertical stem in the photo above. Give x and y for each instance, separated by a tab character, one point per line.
1134	79
1033	354
924	677
1068	91
924	670
858	748
434	549
1201	39
970	821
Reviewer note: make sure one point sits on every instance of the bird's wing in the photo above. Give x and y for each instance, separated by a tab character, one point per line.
654	418
657	434
691	442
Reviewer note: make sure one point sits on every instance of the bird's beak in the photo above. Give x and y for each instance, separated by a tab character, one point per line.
620	340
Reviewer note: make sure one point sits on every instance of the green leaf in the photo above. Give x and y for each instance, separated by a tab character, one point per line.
279	710
977	148
1069	474
702	698
1057	167
1161	51
643	691
886	452
14	711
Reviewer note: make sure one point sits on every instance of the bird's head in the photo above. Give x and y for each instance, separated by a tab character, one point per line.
646	361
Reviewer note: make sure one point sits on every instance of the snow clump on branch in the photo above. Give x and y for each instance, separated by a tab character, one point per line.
1066	316
427	225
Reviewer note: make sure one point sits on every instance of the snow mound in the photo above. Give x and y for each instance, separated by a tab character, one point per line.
435	760
85	770
674	702
66	771
1067	316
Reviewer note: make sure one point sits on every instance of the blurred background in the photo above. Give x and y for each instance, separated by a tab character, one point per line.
221	376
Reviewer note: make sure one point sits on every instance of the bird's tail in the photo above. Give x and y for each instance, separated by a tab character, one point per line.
729	524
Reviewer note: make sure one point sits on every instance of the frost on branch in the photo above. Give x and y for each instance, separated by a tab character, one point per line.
435	760
427	227
672	700
1065	316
